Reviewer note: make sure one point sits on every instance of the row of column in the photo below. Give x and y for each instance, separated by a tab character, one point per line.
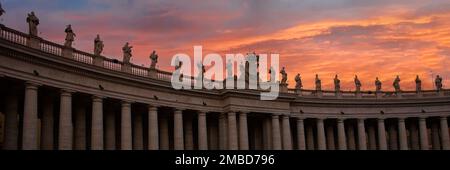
73	136
233	129
346	137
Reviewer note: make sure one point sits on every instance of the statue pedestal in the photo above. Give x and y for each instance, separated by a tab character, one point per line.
338	94
67	52
440	93
283	87
34	42
152	73
398	94
358	94
126	67
419	94
98	61
319	93
298	92
379	94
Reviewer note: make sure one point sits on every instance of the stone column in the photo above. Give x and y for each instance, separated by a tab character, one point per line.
47	123
30	118
287	139
138	141
321	140
65	121
310	145
435	139
342	142
423	133
232	132
110	128
445	141
276	137
125	133
362	143
330	138
372	137
164	132
301	144
202	131
223	145
11	121
243	131
402	134
178	130
97	123
351	144
80	126
381	135
153	137
414	136
393	142
188	133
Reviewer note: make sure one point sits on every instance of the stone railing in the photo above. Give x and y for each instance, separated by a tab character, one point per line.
23	39
369	94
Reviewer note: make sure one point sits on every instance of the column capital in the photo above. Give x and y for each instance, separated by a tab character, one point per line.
32	85
97	98
152	108
201	113
300	119
285	116
178	109
276	114
423	118
340	120
243	112
126	103
401	119
67	92
380	119
443	118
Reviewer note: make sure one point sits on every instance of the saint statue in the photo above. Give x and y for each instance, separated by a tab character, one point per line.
337	83
298	82
397	84
33	22
378	85
357	84
438	83
154	59
418	84
318	83
98	46
283	76
70	36
126	49
2	11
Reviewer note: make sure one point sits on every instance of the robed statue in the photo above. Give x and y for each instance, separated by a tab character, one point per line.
98	46
377	85
33	22
126	49
70	36
418	83
154	59
337	84
438	83
396	84
283	76
298	82
318	83
357	84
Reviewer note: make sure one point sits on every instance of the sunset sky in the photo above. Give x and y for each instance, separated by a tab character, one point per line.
369	38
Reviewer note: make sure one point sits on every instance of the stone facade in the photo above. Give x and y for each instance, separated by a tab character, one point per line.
102	106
